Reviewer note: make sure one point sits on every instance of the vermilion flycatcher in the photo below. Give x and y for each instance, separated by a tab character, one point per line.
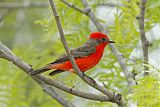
86	56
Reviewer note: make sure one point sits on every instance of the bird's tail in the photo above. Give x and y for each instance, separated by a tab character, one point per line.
38	71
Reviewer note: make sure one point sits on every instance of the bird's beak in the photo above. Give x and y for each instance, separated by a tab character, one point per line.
110	41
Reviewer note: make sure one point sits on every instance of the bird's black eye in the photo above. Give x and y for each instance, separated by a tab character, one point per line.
104	39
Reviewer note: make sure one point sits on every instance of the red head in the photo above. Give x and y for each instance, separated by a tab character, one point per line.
101	38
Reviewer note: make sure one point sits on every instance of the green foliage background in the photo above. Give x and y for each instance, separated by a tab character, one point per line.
32	35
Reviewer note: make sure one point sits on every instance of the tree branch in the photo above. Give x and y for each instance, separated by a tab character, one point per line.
144	41
116	98
119	56
74	7
58	97
74	91
7	54
54	94
16	5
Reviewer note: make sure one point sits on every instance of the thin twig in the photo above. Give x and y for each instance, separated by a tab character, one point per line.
116	98
7	54
145	43
74	7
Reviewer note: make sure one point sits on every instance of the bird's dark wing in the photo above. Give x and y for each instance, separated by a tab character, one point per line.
83	51
60	59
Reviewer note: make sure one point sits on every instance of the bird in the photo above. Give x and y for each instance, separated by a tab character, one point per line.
86	56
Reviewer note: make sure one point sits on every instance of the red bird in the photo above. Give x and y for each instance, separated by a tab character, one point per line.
86	56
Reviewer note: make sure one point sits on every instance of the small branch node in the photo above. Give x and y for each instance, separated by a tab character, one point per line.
72	88
147	43
121	55
87	11
56	16
118	96
105	85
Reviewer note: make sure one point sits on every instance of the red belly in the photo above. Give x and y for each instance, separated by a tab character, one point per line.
83	63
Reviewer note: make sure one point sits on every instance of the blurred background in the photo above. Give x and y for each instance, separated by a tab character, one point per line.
28	28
